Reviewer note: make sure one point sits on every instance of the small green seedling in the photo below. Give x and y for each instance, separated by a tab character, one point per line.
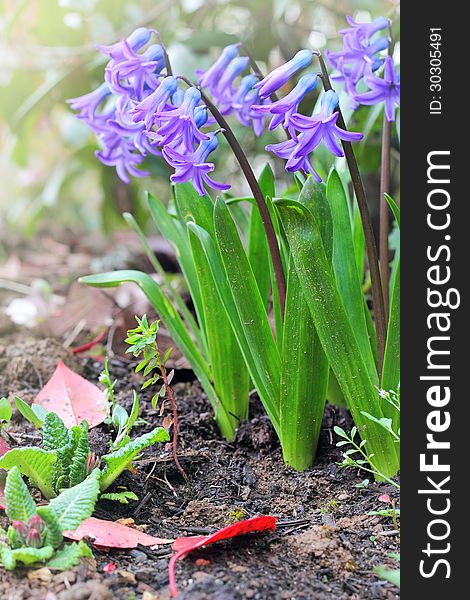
5	412
34	536
121	421
393	512
65	459
144	345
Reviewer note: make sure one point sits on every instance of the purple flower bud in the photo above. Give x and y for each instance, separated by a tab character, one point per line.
364	31
280	76
36	522
93	462
21	530
193	166
212	76
244	101
135	41
284	109
88	104
34	538
223	91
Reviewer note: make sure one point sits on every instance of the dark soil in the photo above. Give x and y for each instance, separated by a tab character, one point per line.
328	552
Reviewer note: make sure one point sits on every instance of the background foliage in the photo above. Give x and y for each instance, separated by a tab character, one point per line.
48	169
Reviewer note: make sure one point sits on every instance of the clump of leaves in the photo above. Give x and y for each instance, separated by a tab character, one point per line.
144	345
34	535
356	456
65	459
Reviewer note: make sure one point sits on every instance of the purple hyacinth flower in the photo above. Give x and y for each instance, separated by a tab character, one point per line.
180	123
135	41
134	73
280	76
212	76
88	104
244	100
284	109
194	166
364	31
385	90
120	152
156	101
313	130
223	92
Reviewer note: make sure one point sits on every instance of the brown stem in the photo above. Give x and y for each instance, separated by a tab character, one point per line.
384	208
171	398
279	274
371	248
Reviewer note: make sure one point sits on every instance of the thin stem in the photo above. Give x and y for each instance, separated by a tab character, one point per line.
371	248
279	274
384	208
169	70
171	398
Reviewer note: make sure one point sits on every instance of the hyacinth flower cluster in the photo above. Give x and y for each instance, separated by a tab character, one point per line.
141	109
359	60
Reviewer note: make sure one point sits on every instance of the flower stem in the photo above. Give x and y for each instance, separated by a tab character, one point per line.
371	248
273	245
384	208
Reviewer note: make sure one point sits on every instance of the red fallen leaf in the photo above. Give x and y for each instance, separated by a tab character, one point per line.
183	545
73	398
109	567
4	447
108	534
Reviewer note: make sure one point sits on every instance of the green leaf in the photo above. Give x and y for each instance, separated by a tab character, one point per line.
225	293
391	367
304	380
7	558
5	410
78	467
252	313
54	535
345	269
69	556
54	433
20	505
391	575
28	412
134	412
37	464
74	505
394	208
334	328
29	556
117	461
122	497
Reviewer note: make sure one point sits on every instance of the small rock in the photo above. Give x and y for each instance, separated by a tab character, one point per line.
43	575
138	556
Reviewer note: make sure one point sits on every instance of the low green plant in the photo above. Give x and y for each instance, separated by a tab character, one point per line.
65	459
34	535
358	456
119	419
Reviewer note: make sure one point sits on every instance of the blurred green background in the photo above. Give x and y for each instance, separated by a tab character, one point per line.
48	172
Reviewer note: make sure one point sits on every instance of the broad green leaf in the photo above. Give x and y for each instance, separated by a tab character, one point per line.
74	505
20	505
5	410
334	328
69	556
229	374
391	575
78	466
37	464
7	558
345	269
122	497
117	461
359	242
249	305
29	556
254	363
170	318
258	252
304	380
54	433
